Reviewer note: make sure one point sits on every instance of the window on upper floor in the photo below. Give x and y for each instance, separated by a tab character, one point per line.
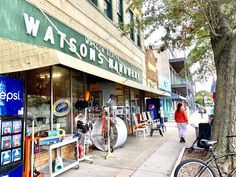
95	2
120	11
108	8
131	22
138	33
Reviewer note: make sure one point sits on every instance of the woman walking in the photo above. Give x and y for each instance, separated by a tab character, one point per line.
182	121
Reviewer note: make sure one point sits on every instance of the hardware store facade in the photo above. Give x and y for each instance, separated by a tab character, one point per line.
62	57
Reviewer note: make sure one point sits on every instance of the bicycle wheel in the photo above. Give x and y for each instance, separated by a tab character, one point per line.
193	167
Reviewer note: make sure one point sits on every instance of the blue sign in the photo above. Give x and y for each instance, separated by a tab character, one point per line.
61	107
152	107
11	96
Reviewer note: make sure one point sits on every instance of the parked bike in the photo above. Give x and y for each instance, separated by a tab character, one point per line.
209	168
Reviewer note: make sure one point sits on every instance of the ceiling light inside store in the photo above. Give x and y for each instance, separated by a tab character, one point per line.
55	75
47	75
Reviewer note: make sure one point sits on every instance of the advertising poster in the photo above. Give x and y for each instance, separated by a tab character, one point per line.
16	140
6	157
17	126
12	96
6	142
152	107
16	154
6	128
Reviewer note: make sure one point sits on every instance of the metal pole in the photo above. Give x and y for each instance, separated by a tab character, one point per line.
51	121
32	150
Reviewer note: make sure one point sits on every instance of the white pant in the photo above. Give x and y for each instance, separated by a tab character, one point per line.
182	127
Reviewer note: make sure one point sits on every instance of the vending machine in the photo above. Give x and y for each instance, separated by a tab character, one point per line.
11	127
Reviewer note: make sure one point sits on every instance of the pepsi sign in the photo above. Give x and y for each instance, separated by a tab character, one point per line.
152	107
11	96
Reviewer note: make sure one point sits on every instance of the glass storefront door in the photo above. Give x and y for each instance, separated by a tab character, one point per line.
61	78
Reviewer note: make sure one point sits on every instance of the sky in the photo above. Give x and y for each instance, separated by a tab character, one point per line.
204	86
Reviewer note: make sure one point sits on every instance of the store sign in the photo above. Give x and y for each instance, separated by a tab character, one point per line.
164	83
61	107
28	24
11	96
152	107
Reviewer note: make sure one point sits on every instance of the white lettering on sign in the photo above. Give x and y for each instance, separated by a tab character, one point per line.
125	70
89	48
83	50
49	35
100	58
120	67
72	45
62	39
92	54
116	66
9	96
110	63
31	25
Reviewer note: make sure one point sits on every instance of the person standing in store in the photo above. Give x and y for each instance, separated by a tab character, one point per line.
182	121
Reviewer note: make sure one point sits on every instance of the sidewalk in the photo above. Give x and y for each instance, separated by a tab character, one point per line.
140	157
162	161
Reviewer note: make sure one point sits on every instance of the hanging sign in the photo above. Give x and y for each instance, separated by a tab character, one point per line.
61	107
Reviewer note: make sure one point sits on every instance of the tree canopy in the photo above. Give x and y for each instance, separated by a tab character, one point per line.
209	28
190	23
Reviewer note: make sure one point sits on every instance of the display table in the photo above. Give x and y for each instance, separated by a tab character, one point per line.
67	163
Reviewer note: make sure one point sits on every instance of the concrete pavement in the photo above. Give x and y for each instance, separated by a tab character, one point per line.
140	157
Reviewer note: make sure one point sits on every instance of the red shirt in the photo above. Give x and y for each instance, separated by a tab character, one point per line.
180	116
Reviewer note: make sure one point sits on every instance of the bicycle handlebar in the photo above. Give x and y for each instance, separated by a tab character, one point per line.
230	136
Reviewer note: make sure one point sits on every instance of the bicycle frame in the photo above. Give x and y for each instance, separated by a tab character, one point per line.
216	158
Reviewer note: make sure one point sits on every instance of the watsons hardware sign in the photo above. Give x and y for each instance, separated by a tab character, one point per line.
28	24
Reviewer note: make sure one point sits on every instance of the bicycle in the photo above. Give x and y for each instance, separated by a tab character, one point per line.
209	168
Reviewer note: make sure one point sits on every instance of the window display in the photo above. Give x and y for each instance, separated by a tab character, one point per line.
16	154
6	142
6	157
38	99
6	128
17	126
16	140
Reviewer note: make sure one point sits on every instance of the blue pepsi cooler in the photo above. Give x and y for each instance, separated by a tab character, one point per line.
11	127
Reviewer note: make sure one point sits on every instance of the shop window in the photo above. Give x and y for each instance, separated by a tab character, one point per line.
95	2
108	8
61	93
138	33
135	101
38	99
131	22
77	91
120	11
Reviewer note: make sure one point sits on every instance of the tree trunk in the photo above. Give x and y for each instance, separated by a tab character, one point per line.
224	50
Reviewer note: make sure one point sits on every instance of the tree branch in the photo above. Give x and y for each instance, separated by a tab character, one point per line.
217	18
208	20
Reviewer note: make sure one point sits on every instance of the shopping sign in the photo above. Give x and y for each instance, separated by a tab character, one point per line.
11	96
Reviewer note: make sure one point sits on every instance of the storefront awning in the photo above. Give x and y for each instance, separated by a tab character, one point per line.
175	96
47	57
72	62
